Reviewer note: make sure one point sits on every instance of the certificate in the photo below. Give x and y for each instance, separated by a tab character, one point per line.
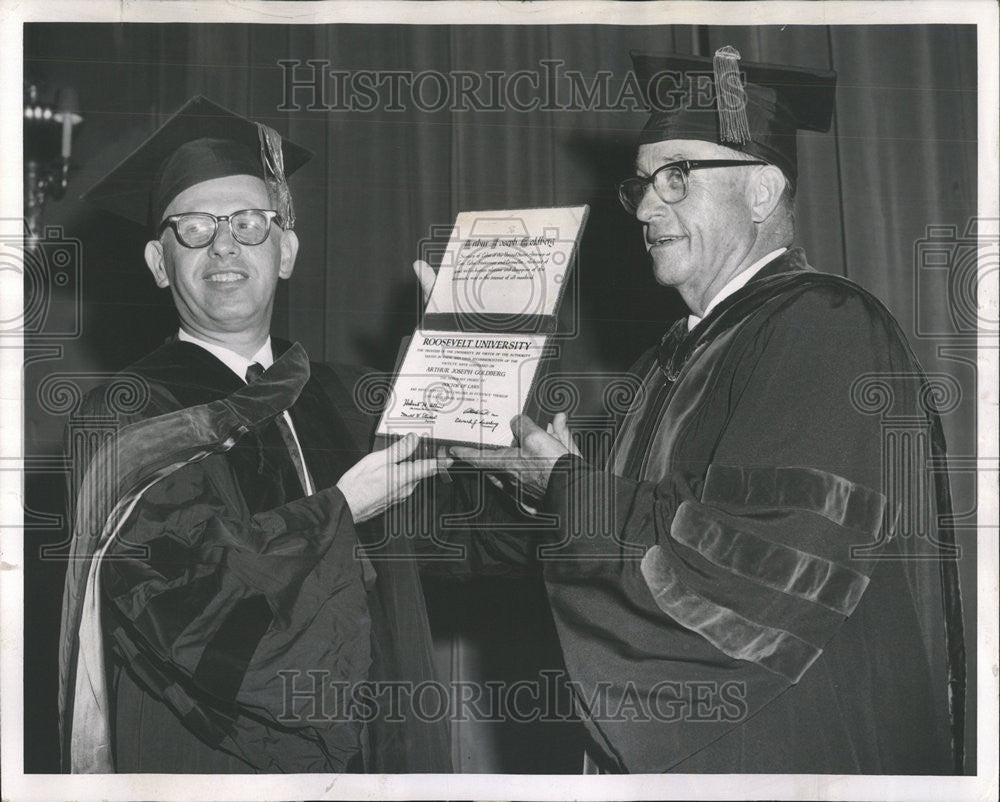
471	365
462	388
505	270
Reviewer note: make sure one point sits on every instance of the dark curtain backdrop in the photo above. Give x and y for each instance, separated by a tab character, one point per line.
383	185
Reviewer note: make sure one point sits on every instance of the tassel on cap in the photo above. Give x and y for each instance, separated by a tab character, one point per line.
274	174
730	97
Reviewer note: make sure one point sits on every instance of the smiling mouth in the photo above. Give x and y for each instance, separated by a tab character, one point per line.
226	277
663	241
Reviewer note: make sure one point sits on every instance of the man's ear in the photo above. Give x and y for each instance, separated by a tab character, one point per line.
289	249
155	263
766	188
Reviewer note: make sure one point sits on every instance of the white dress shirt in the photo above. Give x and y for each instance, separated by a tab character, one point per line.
735	283
238	364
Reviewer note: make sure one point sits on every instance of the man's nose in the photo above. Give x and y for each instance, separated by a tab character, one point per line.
651	206
224	243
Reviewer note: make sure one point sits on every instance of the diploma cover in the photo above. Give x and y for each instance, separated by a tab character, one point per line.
474	359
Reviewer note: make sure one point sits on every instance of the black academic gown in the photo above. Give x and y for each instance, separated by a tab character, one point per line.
757	596
228	587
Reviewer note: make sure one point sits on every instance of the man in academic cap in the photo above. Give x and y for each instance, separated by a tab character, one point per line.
218	612
738	590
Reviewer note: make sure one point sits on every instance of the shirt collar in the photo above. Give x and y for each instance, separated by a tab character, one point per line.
735	283
236	363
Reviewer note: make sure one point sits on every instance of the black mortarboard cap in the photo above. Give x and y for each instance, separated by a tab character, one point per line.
758	112
201	141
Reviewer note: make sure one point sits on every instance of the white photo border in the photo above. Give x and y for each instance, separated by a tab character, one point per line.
18	786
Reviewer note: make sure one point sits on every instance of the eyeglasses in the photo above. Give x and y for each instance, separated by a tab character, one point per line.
199	229
670	182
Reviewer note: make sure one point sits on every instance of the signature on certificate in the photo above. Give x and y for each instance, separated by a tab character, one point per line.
419	410
473	417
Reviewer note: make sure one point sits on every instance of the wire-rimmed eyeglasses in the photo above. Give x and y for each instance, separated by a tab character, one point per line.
670	182
199	229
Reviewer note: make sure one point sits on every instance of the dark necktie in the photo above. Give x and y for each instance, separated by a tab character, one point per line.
674	351
254	372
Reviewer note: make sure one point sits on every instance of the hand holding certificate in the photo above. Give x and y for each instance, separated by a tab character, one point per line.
472	363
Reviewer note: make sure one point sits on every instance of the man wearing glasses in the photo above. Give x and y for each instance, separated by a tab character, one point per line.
740	590
235	599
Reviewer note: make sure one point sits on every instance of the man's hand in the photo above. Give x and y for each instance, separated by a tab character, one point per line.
426	276
385	478
560	431
530	461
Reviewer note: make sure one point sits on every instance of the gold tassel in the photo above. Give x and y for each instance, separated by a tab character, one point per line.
273	160
730	97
